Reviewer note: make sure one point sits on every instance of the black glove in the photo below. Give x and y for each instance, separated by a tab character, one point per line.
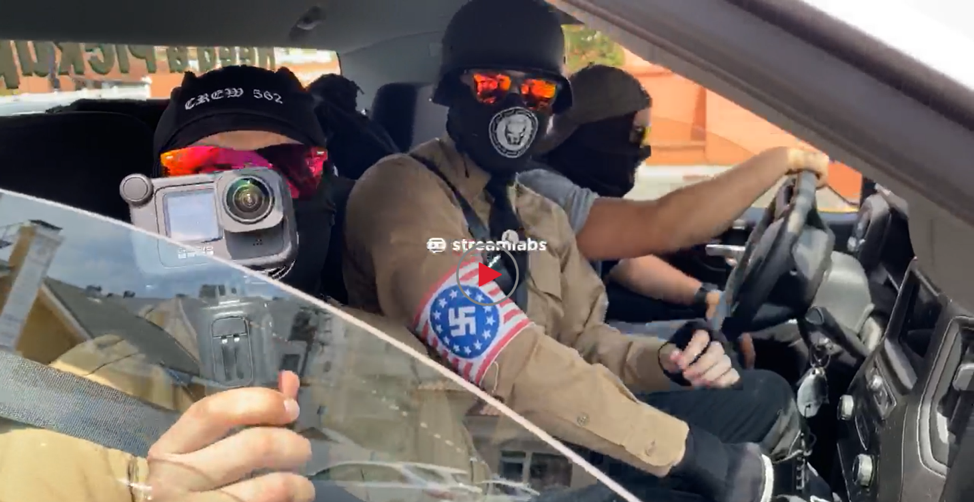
725	472
681	338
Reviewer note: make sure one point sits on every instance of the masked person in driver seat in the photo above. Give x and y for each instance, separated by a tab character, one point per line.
589	161
545	351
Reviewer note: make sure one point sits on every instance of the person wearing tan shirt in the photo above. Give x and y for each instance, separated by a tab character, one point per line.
535	336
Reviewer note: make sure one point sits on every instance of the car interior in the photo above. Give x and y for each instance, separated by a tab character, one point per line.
880	296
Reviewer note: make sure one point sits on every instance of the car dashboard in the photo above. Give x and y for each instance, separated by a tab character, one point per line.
905	421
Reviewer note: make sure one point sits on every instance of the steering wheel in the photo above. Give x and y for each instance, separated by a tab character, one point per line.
767	255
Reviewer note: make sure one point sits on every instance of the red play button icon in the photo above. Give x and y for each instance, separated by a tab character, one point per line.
486	274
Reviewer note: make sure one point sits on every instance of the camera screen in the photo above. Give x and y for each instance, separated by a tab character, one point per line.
191	216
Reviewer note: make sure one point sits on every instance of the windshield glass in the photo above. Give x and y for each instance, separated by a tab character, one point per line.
103	348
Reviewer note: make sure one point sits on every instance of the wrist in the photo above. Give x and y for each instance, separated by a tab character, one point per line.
703	296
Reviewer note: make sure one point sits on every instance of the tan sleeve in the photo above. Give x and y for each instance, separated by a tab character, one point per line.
38	465
634	359
394	209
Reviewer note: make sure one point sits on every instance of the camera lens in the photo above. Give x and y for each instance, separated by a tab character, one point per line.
249	200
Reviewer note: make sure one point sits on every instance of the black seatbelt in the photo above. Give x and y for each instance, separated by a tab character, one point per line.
40	396
503	219
481	232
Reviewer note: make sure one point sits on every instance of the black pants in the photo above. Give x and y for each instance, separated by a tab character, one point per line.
762	412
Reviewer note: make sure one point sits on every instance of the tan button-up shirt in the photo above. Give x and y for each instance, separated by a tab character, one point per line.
562	368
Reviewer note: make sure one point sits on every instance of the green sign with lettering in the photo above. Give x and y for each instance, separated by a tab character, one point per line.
20	58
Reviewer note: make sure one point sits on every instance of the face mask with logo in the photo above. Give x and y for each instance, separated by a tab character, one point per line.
499	137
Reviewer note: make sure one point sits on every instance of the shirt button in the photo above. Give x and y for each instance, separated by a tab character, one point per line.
582	419
650	449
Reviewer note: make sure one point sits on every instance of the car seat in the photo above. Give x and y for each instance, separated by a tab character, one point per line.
147	111
405	111
355	142
332	282
74	158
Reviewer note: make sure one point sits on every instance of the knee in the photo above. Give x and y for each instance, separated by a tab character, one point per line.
773	398
769	390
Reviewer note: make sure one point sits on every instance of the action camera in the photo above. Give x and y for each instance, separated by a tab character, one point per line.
243	215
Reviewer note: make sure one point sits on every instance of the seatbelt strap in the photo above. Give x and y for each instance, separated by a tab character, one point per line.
479	231
477	228
37	395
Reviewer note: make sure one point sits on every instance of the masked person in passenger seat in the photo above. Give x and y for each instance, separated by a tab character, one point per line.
546	351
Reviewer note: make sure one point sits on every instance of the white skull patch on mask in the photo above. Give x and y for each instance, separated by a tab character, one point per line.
512	131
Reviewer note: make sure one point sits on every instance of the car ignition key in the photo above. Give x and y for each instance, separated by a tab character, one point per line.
813	388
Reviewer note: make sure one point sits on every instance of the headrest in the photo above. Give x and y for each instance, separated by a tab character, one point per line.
75	158
147	111
404	109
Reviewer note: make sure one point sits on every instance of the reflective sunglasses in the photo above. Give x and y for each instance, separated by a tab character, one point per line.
300	165
490	87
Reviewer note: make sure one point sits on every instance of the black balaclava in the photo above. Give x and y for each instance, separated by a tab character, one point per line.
499	137
601	156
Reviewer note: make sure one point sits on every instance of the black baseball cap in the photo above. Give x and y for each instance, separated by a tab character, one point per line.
238	98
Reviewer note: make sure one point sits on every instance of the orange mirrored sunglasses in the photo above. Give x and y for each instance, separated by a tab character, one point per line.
490	87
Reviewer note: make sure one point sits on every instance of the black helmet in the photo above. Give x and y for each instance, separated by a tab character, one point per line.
521	35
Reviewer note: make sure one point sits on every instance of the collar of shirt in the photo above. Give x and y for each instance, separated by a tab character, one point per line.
469	178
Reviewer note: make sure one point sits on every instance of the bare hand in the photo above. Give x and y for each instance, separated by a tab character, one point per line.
195	460
713	301
805	160
713	369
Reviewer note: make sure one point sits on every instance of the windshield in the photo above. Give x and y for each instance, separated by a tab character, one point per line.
109	346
